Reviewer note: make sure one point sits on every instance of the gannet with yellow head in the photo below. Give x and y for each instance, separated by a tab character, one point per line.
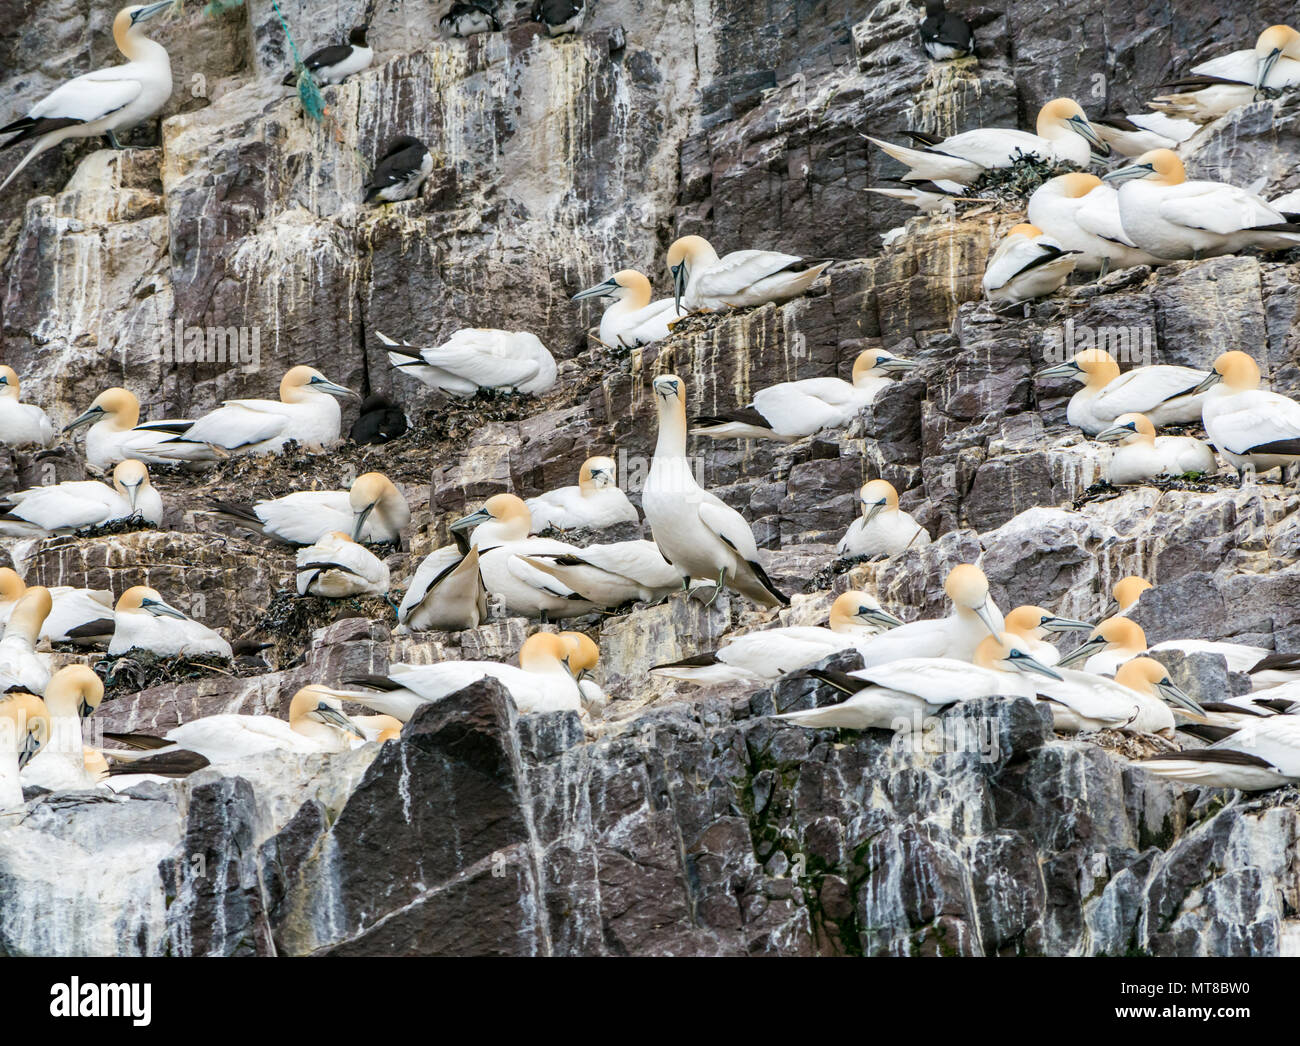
957	636
1080	213
1026	264
20	664
632	318
1214	88
68	507
116	433
477	358
1139	133
883	529
72	695
1166	394
78	615
1112	642
596	502
1126	592
21	424
703	282
1251	427
372	511
1142	456
24	729
584	656
1134	701
143	620
1032	625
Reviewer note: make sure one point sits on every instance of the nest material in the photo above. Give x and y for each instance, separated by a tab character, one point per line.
141	669
126	525
290	620
1016	183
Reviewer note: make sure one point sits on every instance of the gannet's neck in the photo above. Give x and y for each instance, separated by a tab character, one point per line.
672	428
11	789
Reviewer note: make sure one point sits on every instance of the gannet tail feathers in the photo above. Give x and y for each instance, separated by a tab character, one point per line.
36	150
240	512
140	742
99	629
924	165
399	348
374	682
743	423
1207	731
765	586
841	681
1195	766
175	762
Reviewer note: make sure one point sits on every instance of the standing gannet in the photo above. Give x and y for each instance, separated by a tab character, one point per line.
469	19
381	420
1025	265
1064	135
372	510
68	507
957	636
698	533
105	101
1081	213
791	410
336	567
944	35
24	729
1251	427
559	16
1260	754
21	423
307	413
704	282
117	433
1166	394
900	695
1142	456
1112	643
142	620
1220	85
595	503
883	529
1134	701
478	358
633	319
611	575
1032	625
335	63
73	694
1162	212
772	652
78	615
1139	133
400	172
446	593
20	664
584	655
543	681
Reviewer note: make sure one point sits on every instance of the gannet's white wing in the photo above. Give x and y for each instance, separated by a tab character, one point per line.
1013	256
1258	418
1099	215
238	423
228	738
86	99
1276	739
1142	389
489	358
729	525
993	146
775	651
1215	207
1239	656
641	561
741	269
939	680
59	508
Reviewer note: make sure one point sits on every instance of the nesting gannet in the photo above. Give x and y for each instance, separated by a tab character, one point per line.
1166	394
1162	212
1220	85
445	594
584	655
20	664
699	534
1081	214
883	529
400	171
116	433
772	652
336	567
372	510
73	694
105	101
469	19
1134	701
24	729
596	502
1126	592
307	412
335	63
78	615
478	358
1032	625
68	507
791	410
1142	455
381	421
543	681
944	35
1250	426
1139	133
144	621
1112	643
704	282
899	695
559	16
21	423
1025	265
974	616
1063	135
611	575
632	318
1260	754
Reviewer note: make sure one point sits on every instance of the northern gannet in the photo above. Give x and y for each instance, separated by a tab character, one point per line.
1250	426
445	594
927	197
469	19
372	510
900	695
400	171
584	655
337	567
1162	212
1260	754
632	318
477	358
1026	264
704	282
1139	133
883	529
791	410
1166	394
1126	592
974	616
771	652
335	63
116	433
78	615
1134	701
1032	625
1142	455
1081	214
381	420
698	533
1220	85
21	424
24	729
596	502
65	508
105	101
611	575
543	681
20	664
944	35
1112	643
73	694
307	413
1063	135
560	16
144	621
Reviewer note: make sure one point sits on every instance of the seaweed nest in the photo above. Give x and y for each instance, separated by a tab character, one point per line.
290	620
127	525
141	669
1016	183
1194	482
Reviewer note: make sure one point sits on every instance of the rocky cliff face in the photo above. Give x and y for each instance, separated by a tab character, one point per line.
682	821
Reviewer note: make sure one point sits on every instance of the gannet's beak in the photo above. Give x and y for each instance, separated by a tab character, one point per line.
873	509
1064	624
670	386
1124	174
4	380
160	609
132	494
148	12
896	363
1080	126
598	291
360	522
1083	652
472	520
1210	380
30	744
1116	432
983	611
1112	608
1068	369
882	618
84	419
1027	663
325	385
334	717
85	708
1178	696
1266	66
679	284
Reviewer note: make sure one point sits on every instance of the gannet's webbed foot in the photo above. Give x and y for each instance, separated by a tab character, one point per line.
112	140
722	580
1105	268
